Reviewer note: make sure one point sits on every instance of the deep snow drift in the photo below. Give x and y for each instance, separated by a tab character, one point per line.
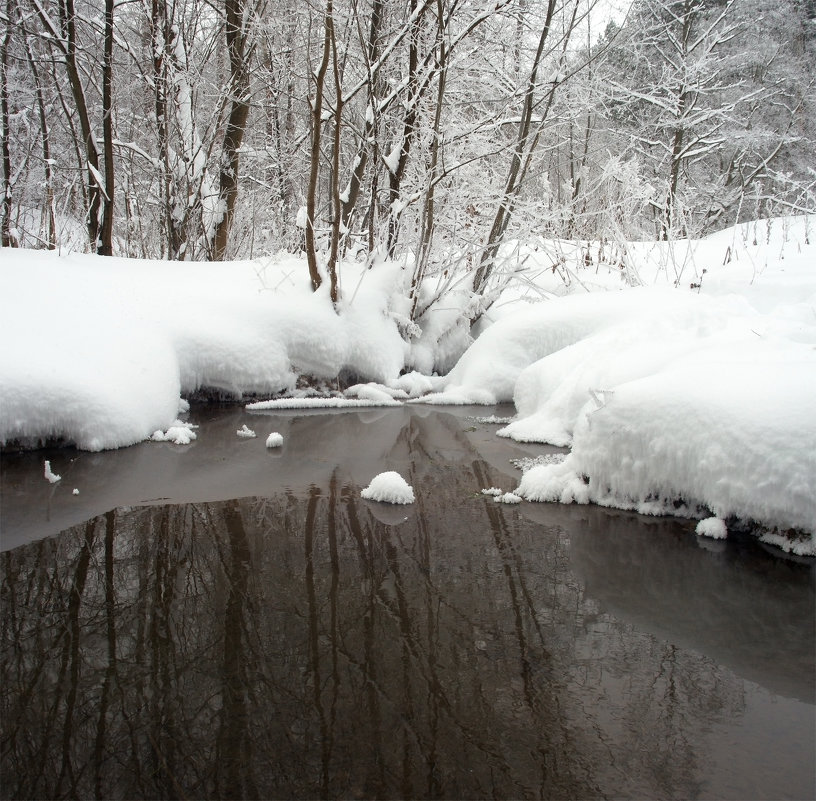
690	394
98	350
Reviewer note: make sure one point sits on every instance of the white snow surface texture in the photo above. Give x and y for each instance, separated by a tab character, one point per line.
98	350
389	487
696	401
679	404
673	402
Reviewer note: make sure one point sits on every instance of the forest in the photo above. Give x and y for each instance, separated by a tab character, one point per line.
432	132
259	253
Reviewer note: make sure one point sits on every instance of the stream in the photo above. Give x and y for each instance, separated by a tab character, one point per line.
223	620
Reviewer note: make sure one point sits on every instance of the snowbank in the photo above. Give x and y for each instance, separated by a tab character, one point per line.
712	527
729	431
97	351
79	360
694	404
692	394
487	372
664	326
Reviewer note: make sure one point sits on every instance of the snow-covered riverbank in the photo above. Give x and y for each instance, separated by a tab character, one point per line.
690	394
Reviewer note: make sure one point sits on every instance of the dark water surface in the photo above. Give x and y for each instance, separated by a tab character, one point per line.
226	621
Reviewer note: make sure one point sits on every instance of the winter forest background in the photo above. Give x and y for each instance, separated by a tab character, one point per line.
434	131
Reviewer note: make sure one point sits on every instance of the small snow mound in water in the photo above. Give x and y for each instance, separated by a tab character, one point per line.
500	496
243	431
52	477
712	527
180	433
508	497
389	487
274	440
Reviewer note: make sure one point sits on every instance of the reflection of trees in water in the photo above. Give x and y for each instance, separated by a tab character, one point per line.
300	647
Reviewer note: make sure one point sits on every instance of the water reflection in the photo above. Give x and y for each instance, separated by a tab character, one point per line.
304	645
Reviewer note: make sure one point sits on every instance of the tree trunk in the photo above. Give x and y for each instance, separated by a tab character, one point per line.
395	176
95	190
337	206
428	208
106	234
228	179
5	207
367	140
513	183
48	212
314	155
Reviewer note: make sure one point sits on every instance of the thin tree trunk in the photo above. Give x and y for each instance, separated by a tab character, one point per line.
669	213
162	39
314	155
337	206
228	179
106	234
513	183
407	135
68	44
356	179
428	209
5	207
48	210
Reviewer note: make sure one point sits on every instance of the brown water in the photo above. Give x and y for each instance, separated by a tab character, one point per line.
224	621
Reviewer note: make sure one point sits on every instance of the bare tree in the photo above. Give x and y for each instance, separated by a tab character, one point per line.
106	233
238	16
63	35
5	207
160	25
434	129
368	140
316	118
48	210
526	139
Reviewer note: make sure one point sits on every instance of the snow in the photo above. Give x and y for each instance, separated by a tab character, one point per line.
180	433
389	487
376	393
274	440
391	160
487	372
104	348
500	496
321	403
413	384
712	527
49	474
508	497
690	394
245	432
729	429
685	403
